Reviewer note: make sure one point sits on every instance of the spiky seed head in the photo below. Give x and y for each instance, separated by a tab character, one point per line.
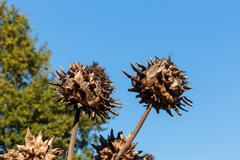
109	148
88	88
160	84
34	149
148	157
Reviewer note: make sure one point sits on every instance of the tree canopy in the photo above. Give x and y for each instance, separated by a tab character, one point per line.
25	96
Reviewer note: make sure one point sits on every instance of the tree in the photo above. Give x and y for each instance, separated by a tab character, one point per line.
25	96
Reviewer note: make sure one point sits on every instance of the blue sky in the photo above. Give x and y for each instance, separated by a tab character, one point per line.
203	38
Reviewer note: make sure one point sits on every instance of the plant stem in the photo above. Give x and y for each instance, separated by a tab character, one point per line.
134	133
73	135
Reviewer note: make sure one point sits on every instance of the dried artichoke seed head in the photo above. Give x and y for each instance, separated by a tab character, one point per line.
160	84
88	88
34	148
147	157
12	154
109	148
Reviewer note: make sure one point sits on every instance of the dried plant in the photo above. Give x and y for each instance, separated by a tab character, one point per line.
34	149
108	149
85	89
88	89
160	84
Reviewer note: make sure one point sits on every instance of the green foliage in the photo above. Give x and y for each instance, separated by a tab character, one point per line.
25	96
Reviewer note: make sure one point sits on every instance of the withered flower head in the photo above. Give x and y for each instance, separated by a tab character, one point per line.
160	84
88	88
34	149
109	148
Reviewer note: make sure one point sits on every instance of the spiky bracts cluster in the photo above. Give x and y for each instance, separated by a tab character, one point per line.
109	148
88	88
160	84
34	149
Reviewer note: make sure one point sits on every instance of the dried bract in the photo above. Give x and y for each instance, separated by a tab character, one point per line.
160	84
88	88
109	148
34	149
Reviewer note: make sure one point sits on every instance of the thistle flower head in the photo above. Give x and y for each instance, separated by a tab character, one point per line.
109	148
34	149
88	88
160	84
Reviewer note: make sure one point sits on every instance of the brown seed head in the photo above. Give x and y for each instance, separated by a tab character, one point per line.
88	88
161	84
34	149
109	148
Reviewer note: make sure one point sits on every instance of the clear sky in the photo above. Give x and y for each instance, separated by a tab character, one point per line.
203	38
